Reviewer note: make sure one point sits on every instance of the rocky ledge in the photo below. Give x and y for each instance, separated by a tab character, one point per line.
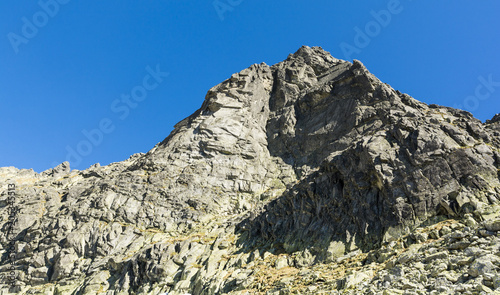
310	176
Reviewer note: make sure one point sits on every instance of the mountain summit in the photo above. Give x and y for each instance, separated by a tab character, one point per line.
309	166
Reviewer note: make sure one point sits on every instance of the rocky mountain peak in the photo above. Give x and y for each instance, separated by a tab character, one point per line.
315	57
313	159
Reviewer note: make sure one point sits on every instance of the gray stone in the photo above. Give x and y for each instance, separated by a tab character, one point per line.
492	225
304	258
483	264
335	250
357	278
281	262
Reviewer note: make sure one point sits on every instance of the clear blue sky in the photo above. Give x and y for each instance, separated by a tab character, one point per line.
65	67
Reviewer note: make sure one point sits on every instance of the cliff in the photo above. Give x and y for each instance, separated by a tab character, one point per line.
303	177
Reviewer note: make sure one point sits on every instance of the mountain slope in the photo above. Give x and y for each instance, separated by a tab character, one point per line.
308	161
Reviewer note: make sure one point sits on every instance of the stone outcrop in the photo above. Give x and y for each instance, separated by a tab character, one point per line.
307	176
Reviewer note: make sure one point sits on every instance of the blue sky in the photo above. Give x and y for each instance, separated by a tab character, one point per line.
70	67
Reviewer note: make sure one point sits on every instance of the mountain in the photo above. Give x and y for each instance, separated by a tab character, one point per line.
305	177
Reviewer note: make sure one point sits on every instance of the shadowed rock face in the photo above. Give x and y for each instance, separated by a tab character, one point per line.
313	156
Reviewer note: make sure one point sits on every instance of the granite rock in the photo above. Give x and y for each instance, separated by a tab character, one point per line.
303	177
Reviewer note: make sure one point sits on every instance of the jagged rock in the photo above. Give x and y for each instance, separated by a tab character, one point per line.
59	170
356	278
283	180
483	265
281	262
492	225
304	258
335	250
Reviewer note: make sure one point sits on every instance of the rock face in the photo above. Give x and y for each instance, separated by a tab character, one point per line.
307	169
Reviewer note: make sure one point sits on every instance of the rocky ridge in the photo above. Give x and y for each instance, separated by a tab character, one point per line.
306	177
